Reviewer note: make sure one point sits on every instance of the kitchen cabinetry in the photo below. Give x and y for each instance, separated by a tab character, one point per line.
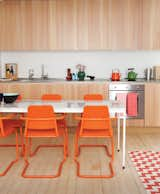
24	25
68	90
151	25
79	24
152	105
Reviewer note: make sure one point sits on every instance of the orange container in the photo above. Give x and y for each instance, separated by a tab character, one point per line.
115	76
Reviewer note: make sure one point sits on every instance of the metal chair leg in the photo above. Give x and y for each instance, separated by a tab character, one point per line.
35	151
93	145
14	161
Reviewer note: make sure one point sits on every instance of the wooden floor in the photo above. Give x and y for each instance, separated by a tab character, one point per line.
92	160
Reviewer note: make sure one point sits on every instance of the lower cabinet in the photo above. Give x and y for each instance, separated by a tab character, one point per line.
152	105
68	90
76	90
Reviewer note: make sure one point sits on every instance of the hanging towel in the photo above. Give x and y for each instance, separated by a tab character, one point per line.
132	104
121	97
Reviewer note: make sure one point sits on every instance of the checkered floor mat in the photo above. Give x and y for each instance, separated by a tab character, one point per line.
147	164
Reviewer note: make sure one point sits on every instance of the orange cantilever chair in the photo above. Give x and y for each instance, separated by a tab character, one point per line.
95	123
51	97
54	97
89	97
41	122
9	126
19	98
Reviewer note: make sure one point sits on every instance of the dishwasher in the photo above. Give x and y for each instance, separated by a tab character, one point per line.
126	88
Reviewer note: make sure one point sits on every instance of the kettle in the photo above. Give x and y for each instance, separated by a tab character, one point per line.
131	75
115	75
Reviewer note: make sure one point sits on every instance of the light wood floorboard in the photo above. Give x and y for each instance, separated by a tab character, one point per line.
92	159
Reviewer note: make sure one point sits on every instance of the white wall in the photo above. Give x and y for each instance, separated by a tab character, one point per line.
98	63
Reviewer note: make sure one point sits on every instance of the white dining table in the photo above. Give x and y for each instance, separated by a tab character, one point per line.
116	108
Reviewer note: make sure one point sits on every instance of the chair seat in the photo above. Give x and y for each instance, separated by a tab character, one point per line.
95	133
44	133
10	125
61	122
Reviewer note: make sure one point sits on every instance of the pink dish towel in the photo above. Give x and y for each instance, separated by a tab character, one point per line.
132	104
121	97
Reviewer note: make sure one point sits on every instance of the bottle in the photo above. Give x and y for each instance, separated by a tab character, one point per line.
69	74
148	73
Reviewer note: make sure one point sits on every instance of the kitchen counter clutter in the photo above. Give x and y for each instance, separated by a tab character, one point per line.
50	80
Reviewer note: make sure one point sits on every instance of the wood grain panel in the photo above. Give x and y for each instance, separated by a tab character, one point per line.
152	105
92	24
126	21
151	24
40	24
100	88
79	24
65	25
10	33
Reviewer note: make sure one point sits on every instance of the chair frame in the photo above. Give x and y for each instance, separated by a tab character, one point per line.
78	148
9	145
28	148
93	97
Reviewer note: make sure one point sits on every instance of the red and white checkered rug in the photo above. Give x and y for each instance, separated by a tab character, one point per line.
147	164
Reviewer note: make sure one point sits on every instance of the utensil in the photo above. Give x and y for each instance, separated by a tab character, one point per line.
91	77
148	73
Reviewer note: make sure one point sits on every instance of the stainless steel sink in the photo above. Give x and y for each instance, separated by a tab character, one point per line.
36	80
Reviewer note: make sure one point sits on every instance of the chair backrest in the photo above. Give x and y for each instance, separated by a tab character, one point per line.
95	118
1	128
41	117
51	97
19	98
93	97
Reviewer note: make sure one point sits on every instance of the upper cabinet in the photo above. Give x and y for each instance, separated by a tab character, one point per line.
151	25
125	24
79	25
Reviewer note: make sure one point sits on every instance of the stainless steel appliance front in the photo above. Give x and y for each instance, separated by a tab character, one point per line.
115	89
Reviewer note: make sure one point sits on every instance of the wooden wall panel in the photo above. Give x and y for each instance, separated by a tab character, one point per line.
126	21
40	24
152	105
92	24
65	25
10	33
79	25
151	24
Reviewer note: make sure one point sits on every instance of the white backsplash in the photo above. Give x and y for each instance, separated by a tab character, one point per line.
98	63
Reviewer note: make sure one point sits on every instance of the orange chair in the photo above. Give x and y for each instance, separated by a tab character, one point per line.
19	98
89	97
9	126
51	97
54	97
41	121
95	123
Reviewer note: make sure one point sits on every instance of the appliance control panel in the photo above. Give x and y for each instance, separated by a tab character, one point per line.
126	87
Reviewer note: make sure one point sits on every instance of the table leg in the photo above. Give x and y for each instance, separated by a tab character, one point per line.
118	128
124	143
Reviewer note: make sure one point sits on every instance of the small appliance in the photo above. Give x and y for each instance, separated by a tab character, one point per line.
131	74
115	75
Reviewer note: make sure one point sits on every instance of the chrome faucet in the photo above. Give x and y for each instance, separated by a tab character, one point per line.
31	73
43	76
